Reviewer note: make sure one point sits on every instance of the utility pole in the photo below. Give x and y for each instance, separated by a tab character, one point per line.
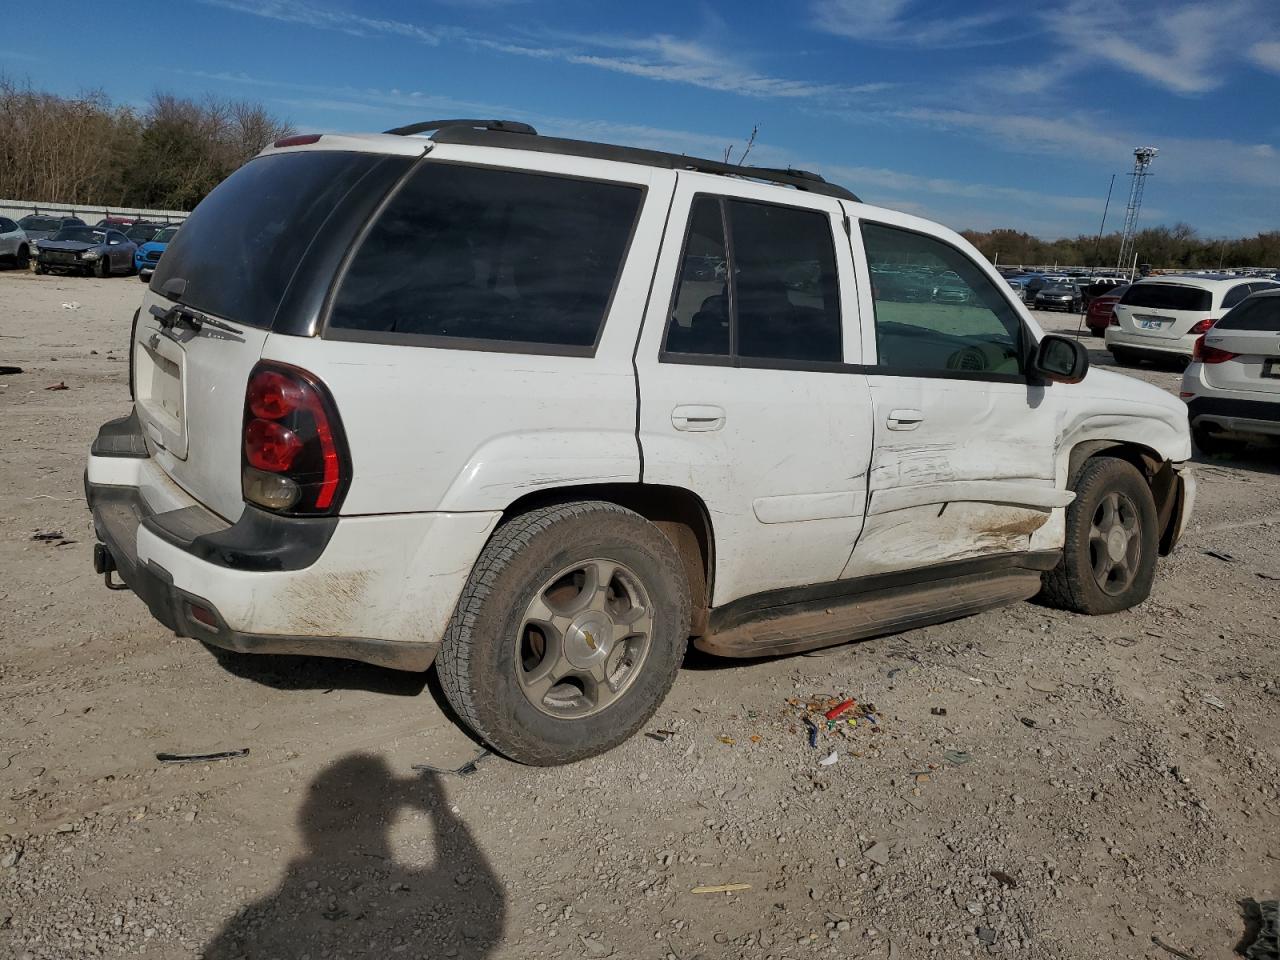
1142	157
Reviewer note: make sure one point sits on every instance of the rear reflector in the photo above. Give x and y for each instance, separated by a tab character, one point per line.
298	140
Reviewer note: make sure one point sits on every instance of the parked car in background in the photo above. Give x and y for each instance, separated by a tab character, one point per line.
1059	296
1232	386
289	480
1099	287
1100	313
1160	318
15	248
148	255
86	250
116	223
143	230
39	226
1038	283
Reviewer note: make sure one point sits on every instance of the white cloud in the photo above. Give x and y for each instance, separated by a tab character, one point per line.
1266	55
298	11
910	23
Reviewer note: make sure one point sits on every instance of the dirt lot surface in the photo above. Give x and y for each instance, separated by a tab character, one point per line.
1093	785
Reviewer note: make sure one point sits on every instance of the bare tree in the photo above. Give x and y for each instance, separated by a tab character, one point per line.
751	142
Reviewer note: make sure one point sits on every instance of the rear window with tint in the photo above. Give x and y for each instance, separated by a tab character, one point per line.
240	247
495	257
1256	313
1167	296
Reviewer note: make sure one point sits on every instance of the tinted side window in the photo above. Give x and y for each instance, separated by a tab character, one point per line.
699	321
935	309
7	226
786	292
499	255
1235	295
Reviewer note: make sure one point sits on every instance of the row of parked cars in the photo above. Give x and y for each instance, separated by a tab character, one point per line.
69	245
1071	293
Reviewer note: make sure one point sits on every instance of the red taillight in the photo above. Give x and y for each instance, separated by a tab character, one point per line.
295	455
1205	354
1113	320
1203	326
298	140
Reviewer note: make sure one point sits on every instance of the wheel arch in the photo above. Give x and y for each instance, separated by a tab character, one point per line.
678	512
1159	472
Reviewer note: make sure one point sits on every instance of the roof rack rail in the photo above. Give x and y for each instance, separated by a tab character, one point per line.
519	136
506	126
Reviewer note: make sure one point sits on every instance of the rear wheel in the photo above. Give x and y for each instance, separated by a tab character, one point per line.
1109	559
1210	442
568	634
1125	358
23	258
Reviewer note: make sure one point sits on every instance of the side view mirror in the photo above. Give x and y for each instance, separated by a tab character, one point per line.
1061	359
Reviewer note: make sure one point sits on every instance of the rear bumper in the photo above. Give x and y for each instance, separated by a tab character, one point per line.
1230	415
375	589
1151	347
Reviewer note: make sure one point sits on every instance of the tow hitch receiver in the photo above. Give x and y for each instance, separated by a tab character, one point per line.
104	564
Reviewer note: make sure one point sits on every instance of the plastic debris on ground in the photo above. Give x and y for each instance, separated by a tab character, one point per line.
831	717
829	759
202	757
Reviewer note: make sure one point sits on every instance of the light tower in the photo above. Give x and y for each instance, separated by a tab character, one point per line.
1142	157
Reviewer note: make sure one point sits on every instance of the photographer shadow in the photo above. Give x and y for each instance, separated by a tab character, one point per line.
347	896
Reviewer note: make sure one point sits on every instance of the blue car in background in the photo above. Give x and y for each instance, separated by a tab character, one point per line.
148	254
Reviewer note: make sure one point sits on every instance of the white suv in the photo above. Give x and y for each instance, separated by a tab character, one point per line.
1160	318
541	410
1232	386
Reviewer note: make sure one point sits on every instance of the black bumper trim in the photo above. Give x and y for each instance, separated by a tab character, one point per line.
120	438
1230	407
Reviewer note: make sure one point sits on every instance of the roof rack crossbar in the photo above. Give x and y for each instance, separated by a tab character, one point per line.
480	133
505	126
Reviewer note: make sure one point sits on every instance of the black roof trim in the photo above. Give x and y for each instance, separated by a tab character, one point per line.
518	136
508	126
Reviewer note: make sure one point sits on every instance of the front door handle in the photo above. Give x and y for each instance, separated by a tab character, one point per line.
905	419
697	417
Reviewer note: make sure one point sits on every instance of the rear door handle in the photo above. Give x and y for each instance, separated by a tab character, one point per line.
697	417
905	419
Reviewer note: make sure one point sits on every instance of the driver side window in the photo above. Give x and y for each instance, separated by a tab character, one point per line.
935	309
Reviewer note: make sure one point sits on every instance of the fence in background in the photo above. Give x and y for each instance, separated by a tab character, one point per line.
89	213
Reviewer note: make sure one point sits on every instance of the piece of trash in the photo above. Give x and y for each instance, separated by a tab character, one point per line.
465	770
1027	722
662	736
72	305
828	760
986	934
852	721
1182	954
727	741
939	711
722	888
957	757
813	732
878	852
1003	879
1225	557
1213	701
202	757
60	385
1261	576
48	535
756	738
1262	922
893	672
5	371
840	708
871	719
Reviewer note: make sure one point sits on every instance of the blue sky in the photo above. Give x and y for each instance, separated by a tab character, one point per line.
978	114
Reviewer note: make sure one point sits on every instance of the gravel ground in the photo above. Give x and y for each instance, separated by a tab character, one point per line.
1093	786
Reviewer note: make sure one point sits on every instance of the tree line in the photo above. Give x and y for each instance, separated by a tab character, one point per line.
90	150
1176	247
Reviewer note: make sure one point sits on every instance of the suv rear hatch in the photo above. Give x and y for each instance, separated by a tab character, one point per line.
1251	332
1163	310
215	297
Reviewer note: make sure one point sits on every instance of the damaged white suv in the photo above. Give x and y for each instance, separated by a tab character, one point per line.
540	411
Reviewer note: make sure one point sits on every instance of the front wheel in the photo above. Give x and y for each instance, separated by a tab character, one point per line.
102	268
23	258
568	634
1109	558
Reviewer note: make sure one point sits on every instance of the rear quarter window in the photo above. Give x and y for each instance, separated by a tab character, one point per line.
1167	296
489	258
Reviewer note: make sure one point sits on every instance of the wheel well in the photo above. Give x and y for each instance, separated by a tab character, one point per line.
679	513
1158	472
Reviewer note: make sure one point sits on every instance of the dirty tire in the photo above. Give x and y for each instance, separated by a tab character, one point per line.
477	659
1124	357
1071	584
23	258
